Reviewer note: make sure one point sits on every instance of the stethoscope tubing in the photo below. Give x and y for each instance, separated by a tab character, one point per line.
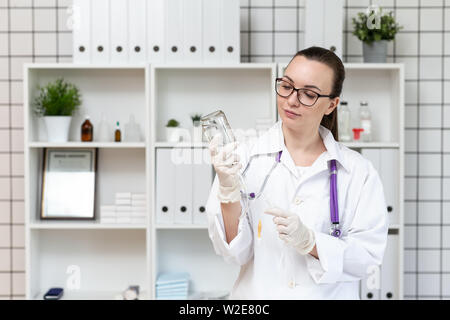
334	209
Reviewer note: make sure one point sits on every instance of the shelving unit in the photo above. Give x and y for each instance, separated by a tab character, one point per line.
129	254
382	86
176	92
110	256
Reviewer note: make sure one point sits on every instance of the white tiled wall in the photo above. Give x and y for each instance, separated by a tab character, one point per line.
271	30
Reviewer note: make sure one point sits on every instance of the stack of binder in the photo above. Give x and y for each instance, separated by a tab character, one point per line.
172	286
162	31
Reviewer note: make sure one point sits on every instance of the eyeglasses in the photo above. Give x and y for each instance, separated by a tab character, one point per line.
304	96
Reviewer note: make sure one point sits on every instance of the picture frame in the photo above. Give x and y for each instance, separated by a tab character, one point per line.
69	184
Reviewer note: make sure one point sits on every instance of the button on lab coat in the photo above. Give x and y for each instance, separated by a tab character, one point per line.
269	269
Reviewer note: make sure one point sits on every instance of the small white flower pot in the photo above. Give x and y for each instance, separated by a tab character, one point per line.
57	128
172	134
197	132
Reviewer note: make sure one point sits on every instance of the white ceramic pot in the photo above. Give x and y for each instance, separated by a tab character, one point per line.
57	128
172	134
197	132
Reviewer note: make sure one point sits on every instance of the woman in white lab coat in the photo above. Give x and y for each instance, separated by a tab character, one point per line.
283	244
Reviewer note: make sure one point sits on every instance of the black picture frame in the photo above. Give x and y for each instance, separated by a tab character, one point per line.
69	182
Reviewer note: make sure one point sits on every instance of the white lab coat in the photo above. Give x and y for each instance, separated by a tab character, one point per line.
272	270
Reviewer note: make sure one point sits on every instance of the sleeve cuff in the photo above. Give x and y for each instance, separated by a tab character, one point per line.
238	249
329	267
230	247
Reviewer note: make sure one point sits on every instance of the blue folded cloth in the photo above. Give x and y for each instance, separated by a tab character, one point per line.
182	289
172	286
171	298
174	294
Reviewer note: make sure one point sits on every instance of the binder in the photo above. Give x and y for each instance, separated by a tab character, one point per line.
192	31
371	283
389	173
82	31
174	30
165	184
202	181
183	186
231	31
137	48
324	24
119	31
156	47
385	162
314	23
389	269
212	31
100	31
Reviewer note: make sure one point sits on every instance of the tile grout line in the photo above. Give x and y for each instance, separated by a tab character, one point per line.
273	31
57	30
417	161
442	157
249	42
10	158
297	34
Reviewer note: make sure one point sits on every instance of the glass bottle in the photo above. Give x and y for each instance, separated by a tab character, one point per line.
132	130
104	130
87	130
365	120
344	118
217	122
117	133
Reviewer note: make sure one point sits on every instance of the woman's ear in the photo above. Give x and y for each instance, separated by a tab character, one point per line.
333	104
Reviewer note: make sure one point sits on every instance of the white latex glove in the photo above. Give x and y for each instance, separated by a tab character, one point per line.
292	230
227	165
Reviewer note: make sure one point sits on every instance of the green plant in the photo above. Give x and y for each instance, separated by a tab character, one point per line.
172	123
386	29
196	117
57	98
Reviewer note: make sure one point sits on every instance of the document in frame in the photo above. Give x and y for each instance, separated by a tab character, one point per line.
69	184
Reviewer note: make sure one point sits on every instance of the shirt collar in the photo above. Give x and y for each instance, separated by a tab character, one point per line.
272	141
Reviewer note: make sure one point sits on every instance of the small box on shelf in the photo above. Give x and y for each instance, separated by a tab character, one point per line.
128	208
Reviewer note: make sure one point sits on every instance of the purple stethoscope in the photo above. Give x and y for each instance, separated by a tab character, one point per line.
335	230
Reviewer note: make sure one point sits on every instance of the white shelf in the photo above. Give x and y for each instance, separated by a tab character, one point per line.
354	145
378	145
197	66
373	66
164	144
79	144
61	225
75	66
89	295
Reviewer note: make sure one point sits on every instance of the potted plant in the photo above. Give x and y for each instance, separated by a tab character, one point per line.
56	103
375	30
172	134
197	129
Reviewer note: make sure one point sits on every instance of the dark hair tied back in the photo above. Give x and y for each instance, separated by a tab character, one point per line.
330	59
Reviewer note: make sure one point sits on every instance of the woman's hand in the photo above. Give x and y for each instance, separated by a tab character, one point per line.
292	230
226	163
